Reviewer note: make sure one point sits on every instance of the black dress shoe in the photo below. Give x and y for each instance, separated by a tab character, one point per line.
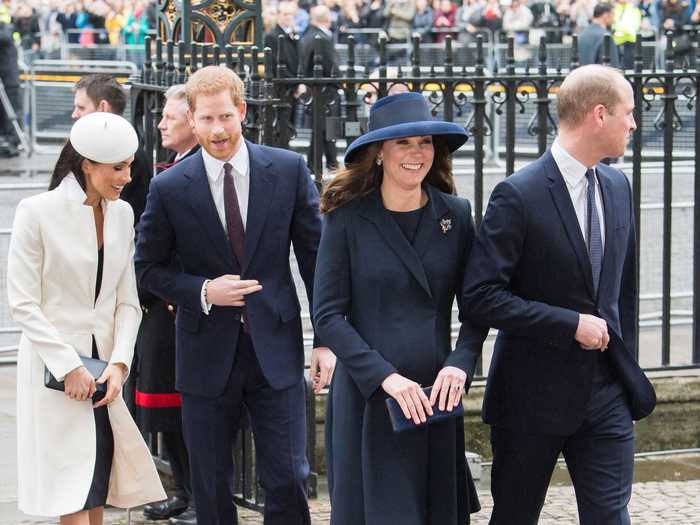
189	517
173	506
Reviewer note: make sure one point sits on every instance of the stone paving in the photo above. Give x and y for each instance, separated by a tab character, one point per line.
655	502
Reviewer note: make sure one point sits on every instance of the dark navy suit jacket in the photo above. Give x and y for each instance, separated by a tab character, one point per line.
181	218
529	276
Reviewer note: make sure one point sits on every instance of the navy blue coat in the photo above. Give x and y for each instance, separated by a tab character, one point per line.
181	218
383	306
529	276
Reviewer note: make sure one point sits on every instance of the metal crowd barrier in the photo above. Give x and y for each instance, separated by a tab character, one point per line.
99	47
51	84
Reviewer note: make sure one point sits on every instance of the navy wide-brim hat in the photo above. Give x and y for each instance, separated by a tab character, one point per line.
405	115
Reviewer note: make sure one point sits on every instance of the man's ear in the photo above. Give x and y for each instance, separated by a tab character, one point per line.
104	106
599	112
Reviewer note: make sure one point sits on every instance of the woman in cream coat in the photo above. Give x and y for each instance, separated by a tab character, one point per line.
65	310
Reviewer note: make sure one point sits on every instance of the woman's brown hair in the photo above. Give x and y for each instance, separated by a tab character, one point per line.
362	175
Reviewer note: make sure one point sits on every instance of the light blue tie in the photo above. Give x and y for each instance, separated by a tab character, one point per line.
595	242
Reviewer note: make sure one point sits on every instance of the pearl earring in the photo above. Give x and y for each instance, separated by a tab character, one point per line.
379	161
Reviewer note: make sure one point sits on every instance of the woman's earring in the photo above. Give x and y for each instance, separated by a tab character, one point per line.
379	161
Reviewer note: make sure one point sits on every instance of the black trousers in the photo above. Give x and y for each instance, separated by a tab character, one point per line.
174	445
599	456
278	419
7	130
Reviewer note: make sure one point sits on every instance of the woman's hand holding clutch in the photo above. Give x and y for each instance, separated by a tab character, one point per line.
114	377
410	397
79	384
449	386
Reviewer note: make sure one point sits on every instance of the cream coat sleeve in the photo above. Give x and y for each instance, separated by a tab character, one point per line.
24	278
127	315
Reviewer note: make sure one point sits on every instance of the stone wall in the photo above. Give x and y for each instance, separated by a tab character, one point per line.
674	424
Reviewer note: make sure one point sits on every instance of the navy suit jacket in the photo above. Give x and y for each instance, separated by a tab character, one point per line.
529	276
181	219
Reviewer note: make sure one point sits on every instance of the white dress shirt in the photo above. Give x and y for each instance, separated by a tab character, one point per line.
241	181
574	174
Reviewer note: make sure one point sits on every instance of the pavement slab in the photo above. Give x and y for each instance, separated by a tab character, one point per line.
668	502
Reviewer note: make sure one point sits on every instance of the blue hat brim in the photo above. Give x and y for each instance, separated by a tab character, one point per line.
455	134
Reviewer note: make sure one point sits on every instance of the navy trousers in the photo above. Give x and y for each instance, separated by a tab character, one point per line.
599	456
278	420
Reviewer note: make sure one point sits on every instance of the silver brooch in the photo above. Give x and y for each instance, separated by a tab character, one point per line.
445	225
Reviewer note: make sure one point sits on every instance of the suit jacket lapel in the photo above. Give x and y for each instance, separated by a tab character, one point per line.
435	211
606	191
394	237
261	193
202	203
562	201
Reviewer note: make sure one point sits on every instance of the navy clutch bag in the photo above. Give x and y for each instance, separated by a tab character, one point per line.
400	424
94	366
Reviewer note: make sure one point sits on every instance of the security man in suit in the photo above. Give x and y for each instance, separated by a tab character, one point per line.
553	269
158	403
230	214
591	41
321	22
284	43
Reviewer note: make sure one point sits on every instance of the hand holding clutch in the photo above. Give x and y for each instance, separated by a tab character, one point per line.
400	423
411	400
79	384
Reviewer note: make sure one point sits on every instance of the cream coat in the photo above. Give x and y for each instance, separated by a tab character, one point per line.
51	274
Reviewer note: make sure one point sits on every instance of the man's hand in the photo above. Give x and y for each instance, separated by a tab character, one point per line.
322	366
592	332
229	290
79	384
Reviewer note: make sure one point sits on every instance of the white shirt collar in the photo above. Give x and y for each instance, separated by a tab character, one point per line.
571	169
326	31
179	156
215	167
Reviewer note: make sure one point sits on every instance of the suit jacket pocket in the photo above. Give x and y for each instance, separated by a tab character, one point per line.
188	320
288	308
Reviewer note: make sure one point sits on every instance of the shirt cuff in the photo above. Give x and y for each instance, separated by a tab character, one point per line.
205	306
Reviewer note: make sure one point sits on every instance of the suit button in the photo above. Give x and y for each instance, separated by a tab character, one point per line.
236	317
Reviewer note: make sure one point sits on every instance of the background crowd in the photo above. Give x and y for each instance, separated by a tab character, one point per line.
41	25
433	19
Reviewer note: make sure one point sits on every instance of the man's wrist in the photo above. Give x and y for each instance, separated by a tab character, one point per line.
204	291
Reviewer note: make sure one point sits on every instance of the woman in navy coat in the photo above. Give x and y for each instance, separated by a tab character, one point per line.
390	263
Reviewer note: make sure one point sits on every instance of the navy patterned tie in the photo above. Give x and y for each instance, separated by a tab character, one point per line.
595	242
234	223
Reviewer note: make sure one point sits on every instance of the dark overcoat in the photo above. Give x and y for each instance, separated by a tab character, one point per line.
383	306
155	396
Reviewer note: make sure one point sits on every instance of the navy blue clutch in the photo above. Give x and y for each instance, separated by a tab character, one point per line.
399	422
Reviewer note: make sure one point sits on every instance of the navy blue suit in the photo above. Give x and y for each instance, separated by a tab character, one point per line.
220	368
530	276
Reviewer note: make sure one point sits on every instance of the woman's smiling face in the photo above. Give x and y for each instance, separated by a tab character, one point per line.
406	161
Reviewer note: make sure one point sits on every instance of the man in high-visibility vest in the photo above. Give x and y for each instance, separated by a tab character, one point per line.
628	21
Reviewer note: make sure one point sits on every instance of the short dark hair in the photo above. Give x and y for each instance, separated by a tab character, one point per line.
100	86
602	9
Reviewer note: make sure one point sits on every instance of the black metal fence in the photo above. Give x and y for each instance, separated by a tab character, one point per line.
505	105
